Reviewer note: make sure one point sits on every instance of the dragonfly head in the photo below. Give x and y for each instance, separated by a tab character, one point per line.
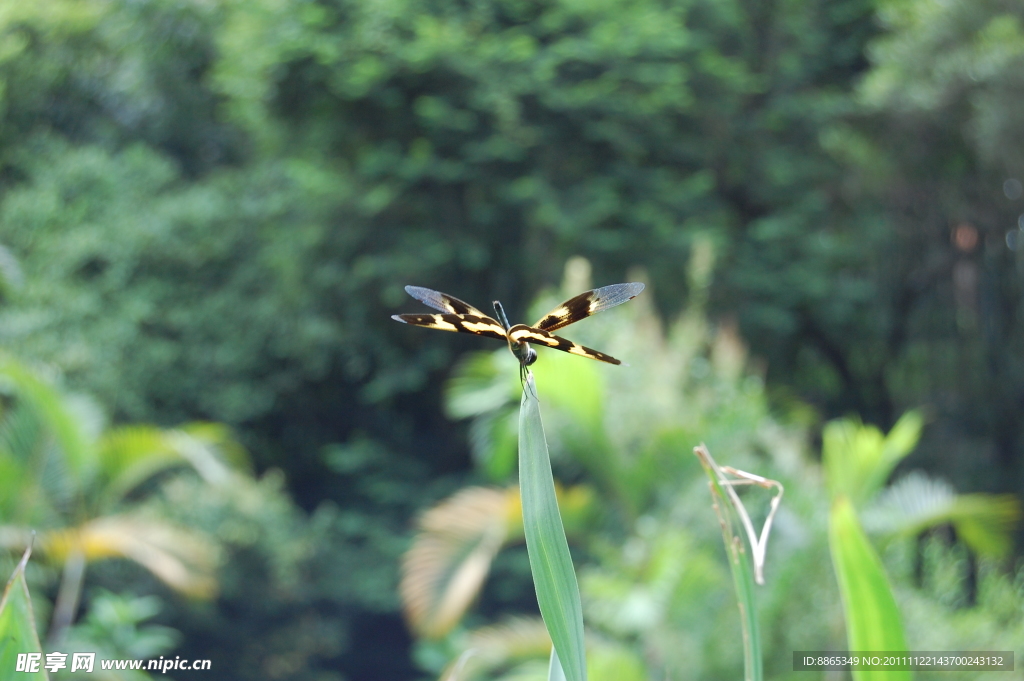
523	352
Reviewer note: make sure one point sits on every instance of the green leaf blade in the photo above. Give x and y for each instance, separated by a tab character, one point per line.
872	617
18	626
558	593
555	672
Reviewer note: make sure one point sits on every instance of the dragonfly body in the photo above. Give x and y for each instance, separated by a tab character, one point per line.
462	317
521	350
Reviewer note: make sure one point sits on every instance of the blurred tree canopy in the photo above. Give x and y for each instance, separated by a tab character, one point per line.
215	205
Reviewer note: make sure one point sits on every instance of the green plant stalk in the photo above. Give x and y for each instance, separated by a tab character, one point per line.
558	594
740	565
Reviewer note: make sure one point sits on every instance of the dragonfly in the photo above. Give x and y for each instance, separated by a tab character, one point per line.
462	317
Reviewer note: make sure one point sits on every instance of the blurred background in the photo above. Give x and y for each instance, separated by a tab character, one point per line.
209	210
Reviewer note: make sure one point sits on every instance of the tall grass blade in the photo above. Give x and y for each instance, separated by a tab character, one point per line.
558	594
18	626
872	618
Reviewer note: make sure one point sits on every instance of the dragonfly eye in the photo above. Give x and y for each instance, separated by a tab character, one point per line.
531	357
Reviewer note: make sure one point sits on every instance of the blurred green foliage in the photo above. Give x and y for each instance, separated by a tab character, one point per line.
70	486
208	210
113	630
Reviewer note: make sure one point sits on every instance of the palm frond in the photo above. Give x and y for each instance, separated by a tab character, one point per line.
917	502
21	497
56	415
183	559
515	641
451	556
130	455
859	459
481	384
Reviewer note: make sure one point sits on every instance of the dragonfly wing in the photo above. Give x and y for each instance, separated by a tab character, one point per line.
521	333
442	301
480	325
587	304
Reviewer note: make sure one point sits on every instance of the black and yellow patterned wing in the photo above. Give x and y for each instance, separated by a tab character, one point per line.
443	301
462	317
521	333
585	305
464	323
